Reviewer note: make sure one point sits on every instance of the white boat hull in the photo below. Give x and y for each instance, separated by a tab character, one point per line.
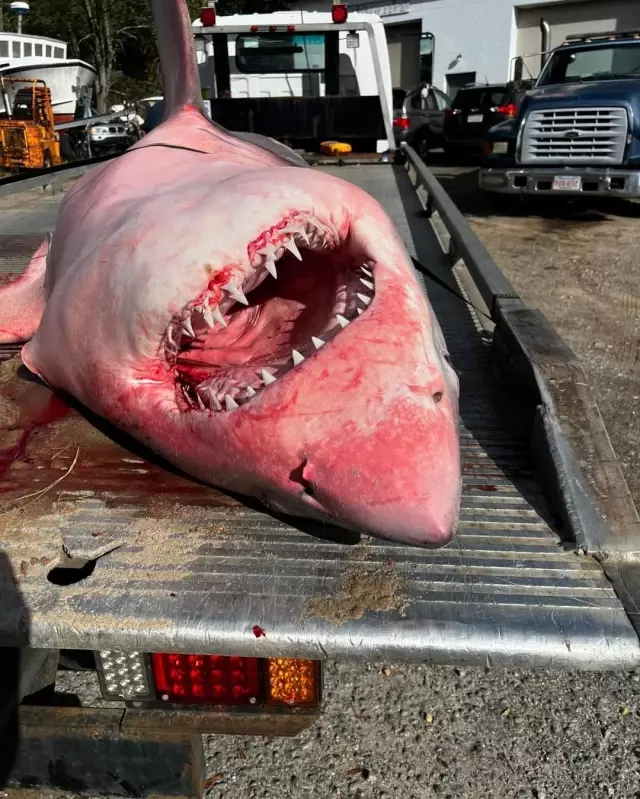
61	78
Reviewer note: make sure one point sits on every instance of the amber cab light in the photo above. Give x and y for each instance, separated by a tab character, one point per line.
339	12
292	682
215	679
208	16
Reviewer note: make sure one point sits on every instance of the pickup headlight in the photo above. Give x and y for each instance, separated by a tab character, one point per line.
500	148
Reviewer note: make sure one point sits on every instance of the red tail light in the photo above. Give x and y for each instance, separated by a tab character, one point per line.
509	110
402	123
451	112
339	12
207	678
486	149
208	16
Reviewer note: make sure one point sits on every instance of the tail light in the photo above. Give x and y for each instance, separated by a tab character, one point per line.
402	123
292	682
206	678
451	112
209	679
208	16
486	148
509	110
339	12
124	675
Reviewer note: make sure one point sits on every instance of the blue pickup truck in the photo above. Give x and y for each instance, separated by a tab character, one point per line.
578	130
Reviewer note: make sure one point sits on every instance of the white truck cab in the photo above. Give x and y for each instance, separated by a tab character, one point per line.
299	76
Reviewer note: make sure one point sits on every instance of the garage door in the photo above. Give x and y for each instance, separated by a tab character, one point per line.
590	16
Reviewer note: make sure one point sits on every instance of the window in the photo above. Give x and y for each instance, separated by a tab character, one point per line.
427	46
4	49
280	53
48	51
58	52
38	49
480	99
420	103
593	63
398	97
28	48
441	99
15	49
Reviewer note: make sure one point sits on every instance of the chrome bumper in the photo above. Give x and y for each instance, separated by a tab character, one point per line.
603	181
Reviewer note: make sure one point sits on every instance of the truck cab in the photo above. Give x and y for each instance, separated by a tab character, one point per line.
301	77
578	130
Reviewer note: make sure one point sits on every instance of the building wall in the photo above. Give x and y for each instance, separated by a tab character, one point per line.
483	36
568	18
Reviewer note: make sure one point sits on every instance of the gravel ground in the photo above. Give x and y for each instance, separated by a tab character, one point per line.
579	264
474	733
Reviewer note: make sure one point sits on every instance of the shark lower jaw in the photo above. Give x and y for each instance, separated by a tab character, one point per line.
303	286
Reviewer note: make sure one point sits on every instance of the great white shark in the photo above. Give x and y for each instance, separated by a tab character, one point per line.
255	321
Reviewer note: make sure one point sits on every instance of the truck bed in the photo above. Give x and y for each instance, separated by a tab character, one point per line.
174	566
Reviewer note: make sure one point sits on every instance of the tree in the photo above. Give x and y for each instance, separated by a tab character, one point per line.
114	36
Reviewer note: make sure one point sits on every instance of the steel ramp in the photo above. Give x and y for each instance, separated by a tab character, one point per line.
179	567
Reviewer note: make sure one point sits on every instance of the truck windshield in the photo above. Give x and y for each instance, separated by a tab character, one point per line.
580	65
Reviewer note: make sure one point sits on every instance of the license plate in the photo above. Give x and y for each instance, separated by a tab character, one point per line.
475	118
566	184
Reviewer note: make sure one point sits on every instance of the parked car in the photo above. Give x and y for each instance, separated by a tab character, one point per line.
477	108
418	117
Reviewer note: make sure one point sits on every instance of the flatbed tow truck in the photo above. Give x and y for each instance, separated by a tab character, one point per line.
203	613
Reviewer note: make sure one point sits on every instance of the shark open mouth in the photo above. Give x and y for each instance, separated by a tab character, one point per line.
252	326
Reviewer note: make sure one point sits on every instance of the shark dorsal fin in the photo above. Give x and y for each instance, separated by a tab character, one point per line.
177	56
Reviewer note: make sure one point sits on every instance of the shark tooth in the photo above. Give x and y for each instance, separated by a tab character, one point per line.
233	290
363	298
207	315
367	283
299	231
293	248
317	342
298	357
214	402
201	404
366	270
360	311
229	403
187	327
267	377
251	392
342	321
270	266
217	315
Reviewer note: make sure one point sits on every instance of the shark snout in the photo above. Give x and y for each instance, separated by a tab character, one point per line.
368	482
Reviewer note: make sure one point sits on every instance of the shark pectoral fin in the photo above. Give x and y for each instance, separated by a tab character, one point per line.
22	299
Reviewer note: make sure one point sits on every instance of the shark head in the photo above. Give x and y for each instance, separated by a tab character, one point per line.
257	323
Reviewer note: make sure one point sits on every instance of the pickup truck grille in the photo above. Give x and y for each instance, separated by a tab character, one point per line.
574	136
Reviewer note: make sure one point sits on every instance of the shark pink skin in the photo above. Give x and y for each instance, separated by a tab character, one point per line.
326	392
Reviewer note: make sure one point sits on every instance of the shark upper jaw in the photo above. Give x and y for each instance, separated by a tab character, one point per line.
303	284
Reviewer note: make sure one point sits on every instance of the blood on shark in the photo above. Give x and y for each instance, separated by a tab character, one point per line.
256	322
